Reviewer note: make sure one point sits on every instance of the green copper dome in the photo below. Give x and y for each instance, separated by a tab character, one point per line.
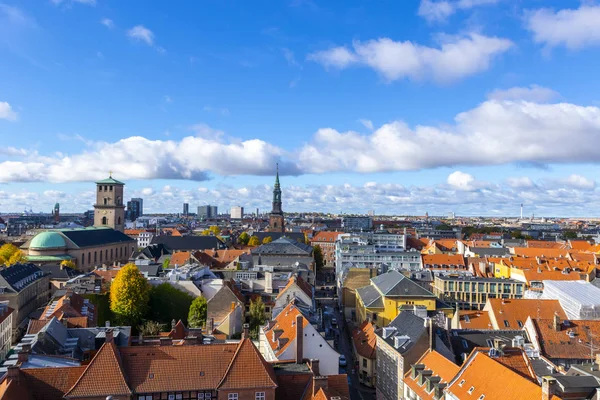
48	240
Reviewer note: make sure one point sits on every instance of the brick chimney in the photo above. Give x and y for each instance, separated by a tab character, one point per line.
548	387
299	338
318	383
314	366
246	332
23	355
12	373
210	324
109	336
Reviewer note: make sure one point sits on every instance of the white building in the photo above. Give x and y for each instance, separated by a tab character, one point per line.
6	316
237	212
144	239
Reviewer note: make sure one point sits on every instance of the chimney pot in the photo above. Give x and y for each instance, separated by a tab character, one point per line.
246	334
12	373
318	383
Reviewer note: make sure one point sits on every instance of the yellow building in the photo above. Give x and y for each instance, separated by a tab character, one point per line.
381	301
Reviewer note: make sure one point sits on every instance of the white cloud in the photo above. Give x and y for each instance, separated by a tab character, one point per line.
533	93
367	123
440	10
107	22
493	133
572	28
141	33
290	58
462	181
86	2
580	182
6	112
456	58
521	182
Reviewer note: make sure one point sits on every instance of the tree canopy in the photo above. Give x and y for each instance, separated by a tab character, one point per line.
129	295
168	303
151	328
166	263
257	314
318	255
68	264
244	238
267	239
253	241
11	254
212	231
197	313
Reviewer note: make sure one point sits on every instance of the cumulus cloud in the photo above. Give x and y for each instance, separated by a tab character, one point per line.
495	132
572	28
461	181
367	123
440	10
107	22
191	158
141	34
580	182
6	112
532	93
457	57
521	182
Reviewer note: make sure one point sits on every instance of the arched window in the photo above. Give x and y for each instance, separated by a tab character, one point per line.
106	255
100	255
95	257
119	221
111	254
82	259
121	251
104	220
90	257
105	201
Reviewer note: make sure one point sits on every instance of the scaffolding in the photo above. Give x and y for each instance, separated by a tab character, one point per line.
579	299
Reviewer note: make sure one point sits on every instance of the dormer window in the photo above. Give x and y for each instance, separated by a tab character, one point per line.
471	389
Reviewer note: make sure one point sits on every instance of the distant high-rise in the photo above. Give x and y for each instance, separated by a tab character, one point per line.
135	209
237	212
207	212
186	209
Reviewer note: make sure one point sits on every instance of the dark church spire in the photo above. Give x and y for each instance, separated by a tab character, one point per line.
277	195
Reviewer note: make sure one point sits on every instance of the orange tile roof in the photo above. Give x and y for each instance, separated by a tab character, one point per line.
284	328
543	244
248	369
365	340
325	236
582	245
482	375
180	258
436	363
558	344
301	283
443	260
133	232
514	311
107	275
537	252
474	319
226	256
534	275
446	244
515	359
103	375
51	383
68	306
417	243
581	256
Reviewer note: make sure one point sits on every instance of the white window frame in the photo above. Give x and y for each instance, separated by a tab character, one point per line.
232	396
260	396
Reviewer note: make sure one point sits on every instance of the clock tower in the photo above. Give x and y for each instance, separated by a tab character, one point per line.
276	220
109	210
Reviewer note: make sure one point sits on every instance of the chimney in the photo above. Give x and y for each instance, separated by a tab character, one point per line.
166	341
548	387
12	373
140	339
109	336
299	338
318	383
107	324
23	355
246	333
314	366
173	323
431	335
556	323
210	323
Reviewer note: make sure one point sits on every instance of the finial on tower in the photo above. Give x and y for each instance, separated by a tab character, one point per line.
110	174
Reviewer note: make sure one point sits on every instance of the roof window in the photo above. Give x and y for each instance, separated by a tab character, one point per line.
471	389
461	383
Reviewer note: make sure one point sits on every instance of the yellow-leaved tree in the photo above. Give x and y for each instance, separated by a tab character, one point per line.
253	241
68	264
266	240
129	295
11	254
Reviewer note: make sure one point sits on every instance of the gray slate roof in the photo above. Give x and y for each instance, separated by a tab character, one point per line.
393	283
406	324
95	237
295	236
189	243
370	297
284	246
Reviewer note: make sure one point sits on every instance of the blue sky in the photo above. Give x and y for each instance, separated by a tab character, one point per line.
471	106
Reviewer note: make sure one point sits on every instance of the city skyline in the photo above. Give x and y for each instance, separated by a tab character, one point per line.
430	106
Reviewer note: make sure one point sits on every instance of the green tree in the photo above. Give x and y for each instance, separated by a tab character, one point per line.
244	238
570	235
129	294
151	328
166	263
253	241
257	315
168	303
318	256
197	313
266	240
11	254
516	234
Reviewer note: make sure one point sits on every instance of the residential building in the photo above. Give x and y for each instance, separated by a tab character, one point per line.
364	345
71	309
276	218
226	310
109	210
59	275
229	258
237	371
26	288
399	344
284	252
297	289
464	341
445	264
135	209
237	212
189	243
467	292
6	328
305	382
86	247
579	299
291	336
326	241
357	223
352	279
381	301
429	376
207	212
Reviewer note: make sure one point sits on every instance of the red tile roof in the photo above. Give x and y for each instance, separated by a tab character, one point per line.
325	236
439	365
365	340
558	343
248	369
51	383
282	330
301	283
514	311
443	261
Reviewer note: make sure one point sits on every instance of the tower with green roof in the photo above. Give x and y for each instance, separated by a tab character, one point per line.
276	220
109	210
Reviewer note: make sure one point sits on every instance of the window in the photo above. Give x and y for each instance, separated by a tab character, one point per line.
110	188
364	363
520	323
171	397
482	397
461	383
145	397
506	324
232	396
259	396
105	201
104	220
471	389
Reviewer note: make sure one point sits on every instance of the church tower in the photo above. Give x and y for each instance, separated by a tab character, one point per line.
276	221
109	210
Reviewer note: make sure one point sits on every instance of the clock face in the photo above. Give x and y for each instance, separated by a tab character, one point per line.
104	212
